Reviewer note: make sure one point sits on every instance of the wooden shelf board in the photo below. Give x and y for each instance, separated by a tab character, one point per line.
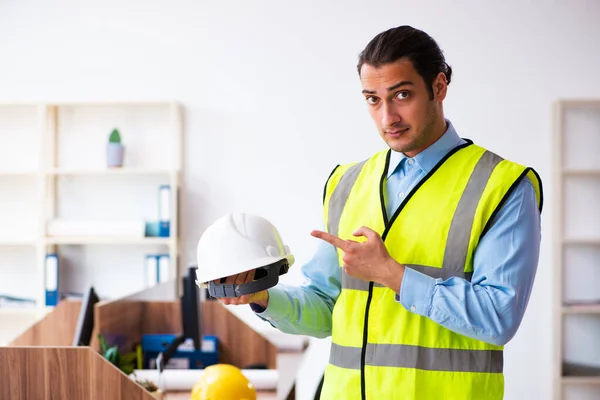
580	103
581	380
115	103
592	241
581	309
108	240
581	172
109	171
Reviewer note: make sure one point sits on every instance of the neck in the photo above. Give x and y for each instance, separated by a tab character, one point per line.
437	130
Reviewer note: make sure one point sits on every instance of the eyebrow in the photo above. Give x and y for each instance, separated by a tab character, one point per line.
394	87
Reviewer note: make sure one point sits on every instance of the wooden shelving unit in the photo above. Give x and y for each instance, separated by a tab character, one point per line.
577	250
56	156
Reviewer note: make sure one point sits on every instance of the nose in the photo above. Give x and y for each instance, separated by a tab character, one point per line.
389	116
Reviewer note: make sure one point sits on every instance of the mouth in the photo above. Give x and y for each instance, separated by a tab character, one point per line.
397	132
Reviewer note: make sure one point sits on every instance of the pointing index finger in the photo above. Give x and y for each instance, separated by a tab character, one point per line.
334	240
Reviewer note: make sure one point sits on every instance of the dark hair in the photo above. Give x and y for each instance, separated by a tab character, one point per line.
412	44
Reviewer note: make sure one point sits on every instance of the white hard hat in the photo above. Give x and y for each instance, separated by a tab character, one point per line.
236	243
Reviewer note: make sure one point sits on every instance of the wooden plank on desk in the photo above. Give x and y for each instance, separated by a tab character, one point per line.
239	344
108	382
118	318
72	365
55	329
260	395
16	366
63	373
162	317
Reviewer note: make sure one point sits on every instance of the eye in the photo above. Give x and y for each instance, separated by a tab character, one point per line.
403	95
372	100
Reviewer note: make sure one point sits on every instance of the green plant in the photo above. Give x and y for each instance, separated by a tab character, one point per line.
125	362
115	136
146	384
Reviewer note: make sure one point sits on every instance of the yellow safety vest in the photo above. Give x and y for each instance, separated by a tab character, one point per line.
379	349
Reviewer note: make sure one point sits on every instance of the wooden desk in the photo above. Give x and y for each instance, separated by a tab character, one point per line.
261	395
288	363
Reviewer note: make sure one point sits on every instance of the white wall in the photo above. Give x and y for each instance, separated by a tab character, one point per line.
272	98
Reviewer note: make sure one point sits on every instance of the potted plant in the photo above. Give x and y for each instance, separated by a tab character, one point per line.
126	363
150	387
115	149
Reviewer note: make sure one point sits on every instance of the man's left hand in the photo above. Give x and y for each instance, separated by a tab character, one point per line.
368	260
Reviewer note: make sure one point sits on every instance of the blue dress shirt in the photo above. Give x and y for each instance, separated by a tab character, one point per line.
489	308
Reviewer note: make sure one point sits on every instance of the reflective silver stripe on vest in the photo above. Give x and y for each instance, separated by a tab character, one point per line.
425	358
340	196
436	272
350	282
457	245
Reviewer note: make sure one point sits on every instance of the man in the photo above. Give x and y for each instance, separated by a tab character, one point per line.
437	240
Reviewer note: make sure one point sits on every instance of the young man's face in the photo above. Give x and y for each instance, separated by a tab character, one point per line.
400	104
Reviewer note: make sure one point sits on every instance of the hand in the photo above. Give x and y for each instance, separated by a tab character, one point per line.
369	260
261	298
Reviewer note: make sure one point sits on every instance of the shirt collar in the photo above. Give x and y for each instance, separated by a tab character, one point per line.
428	158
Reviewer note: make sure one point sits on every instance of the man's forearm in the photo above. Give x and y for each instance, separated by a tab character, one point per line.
298	310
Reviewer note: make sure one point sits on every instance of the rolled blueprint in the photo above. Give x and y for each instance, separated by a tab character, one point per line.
185	379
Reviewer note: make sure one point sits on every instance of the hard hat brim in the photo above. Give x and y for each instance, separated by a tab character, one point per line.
205	275
229	290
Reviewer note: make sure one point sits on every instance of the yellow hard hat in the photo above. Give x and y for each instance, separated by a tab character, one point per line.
223	382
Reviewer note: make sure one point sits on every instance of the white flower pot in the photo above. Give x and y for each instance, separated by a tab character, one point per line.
114	154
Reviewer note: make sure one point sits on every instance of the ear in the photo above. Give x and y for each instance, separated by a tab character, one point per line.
440	87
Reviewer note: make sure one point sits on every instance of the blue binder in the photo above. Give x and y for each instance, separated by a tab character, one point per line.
51	281
164	211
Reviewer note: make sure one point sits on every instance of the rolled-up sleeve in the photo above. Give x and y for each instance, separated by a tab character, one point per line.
306	309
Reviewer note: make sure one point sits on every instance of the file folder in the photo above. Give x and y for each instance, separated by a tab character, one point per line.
51	281
164	267
164	211
151	270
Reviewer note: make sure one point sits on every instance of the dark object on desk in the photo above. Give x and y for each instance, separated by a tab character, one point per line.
256	366
85	322
572	369
190	318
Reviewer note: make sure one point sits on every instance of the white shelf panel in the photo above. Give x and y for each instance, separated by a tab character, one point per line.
109	240
19	138
17	242
581	274
108	171
581	217
581	136
19	311
17	173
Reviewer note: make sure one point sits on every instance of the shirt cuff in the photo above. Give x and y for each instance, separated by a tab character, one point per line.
416	292
277	308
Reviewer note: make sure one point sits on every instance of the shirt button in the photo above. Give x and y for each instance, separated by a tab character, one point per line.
401	194
411	161
413	308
